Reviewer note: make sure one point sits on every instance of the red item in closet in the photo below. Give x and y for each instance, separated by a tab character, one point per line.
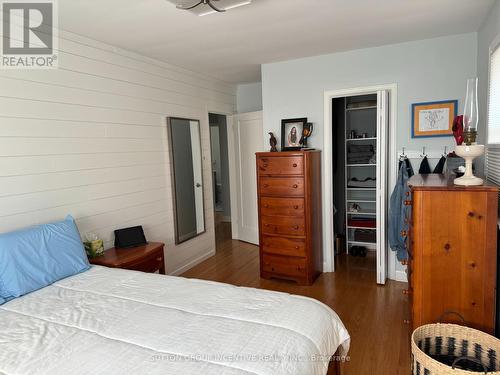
362	223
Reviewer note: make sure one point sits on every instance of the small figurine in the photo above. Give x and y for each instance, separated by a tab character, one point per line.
273	142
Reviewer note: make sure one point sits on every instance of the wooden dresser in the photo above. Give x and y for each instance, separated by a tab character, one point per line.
453	252
290	215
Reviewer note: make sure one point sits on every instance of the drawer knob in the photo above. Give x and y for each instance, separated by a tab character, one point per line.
297	247
471	214
298	268
266	225
295	165
266	206
295	186
296	207
266	185
447	247
296	227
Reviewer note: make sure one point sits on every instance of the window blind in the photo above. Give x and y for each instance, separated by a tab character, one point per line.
494	98
493	131
493	165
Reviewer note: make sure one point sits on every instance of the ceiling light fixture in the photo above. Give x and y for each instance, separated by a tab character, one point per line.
214	8
227	8
201	2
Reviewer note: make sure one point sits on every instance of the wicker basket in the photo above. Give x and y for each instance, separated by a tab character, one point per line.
461	344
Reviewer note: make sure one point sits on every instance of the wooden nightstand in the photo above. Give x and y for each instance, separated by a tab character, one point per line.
146	258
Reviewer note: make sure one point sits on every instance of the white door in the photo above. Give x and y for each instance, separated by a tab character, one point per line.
382	181
197	175
245	135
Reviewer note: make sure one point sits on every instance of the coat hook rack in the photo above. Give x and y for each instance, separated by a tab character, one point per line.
402	156
423	154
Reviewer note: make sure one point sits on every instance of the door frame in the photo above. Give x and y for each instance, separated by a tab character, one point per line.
230	155
329	249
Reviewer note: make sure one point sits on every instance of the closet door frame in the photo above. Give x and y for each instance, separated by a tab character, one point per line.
389	165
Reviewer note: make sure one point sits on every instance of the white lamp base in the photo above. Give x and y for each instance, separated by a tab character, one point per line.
468	181
469	153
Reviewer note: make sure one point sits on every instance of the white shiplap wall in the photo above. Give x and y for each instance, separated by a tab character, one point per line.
89	139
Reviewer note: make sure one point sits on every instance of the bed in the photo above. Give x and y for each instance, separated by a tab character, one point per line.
112	321
59	315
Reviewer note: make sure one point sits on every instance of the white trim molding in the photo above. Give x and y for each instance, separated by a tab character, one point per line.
328	251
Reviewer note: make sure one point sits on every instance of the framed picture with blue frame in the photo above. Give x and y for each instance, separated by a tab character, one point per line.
433	119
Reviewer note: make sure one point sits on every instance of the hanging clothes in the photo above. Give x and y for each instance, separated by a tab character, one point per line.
408	165
399	214
425	168
440	166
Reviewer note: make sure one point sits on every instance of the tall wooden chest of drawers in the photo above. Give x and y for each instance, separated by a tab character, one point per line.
290	215
453	252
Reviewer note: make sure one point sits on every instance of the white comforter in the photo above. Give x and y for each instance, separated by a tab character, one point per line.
110	321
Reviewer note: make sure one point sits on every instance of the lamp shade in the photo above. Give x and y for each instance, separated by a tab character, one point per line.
471	110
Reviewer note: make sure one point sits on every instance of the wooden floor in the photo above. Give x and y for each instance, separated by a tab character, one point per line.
372	314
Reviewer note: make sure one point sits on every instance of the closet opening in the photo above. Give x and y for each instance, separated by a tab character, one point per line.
220	177
359	150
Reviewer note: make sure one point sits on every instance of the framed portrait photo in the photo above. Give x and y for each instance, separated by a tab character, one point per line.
291	133
433	119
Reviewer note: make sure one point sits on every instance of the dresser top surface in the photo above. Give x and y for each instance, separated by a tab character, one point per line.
287	153
436	181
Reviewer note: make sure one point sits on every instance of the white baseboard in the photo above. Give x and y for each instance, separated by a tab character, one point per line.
192	263
326	268
401	276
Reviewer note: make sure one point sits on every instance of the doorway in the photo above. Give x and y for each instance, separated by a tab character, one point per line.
359	158
220	177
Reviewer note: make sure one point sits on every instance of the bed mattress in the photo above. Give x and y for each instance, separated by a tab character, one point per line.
112	321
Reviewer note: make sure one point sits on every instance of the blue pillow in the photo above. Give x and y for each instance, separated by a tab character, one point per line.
33	258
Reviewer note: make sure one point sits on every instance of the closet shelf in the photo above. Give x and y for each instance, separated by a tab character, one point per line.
361	108
362	243
360	201
361	139
363	213
362	165
354	227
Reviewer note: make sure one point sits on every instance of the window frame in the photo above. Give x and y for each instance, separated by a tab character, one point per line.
494	47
